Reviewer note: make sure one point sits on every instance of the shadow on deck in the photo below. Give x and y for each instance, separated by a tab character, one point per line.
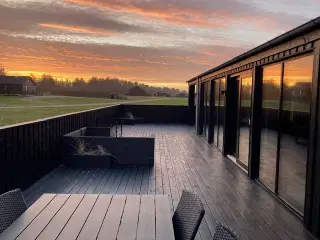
185	161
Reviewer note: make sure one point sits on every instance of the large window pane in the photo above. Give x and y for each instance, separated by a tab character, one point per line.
221	112
295	130
271	88
245	119
206	108
216	111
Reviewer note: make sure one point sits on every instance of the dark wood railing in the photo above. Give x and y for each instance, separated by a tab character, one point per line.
30	150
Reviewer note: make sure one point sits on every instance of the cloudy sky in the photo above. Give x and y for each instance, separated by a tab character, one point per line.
159	42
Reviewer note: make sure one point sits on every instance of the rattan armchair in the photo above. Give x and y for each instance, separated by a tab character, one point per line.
224	233
12	205
188	216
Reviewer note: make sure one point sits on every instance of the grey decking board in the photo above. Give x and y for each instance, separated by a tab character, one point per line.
103	182
145	180
98	178
93	224
152	182
146	224
129	222
81	186
89	182
193	164
130	183
138	181
52	231
109	183
158	173
163	231
41	221
110	225
165	181
71	185
204	230
124	181
222	206
79	217
234	191
19	225
171	177
117	181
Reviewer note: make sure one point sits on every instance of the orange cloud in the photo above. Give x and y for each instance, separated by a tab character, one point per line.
169	14
78	29
202	13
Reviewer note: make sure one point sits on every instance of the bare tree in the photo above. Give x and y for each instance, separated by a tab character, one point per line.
3	71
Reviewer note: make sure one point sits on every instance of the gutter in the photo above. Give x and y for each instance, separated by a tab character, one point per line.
294	33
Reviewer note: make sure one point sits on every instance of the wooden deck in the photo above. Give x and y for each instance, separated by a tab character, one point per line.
185	161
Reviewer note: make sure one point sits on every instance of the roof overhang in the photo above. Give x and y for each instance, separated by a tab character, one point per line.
294	33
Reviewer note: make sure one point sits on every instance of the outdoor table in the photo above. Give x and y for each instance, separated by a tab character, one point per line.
94	216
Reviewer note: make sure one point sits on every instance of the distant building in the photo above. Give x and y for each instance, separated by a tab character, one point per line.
161	94
17	85
136	91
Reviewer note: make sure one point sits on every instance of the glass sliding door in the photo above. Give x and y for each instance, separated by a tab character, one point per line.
271	90
206	108
221	112
286	103
244	119
216	111
295	124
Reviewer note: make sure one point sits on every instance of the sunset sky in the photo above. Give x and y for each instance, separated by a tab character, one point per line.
158	42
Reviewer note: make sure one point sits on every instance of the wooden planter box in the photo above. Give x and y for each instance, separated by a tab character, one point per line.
88	161
125	150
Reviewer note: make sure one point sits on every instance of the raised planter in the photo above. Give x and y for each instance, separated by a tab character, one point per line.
123	151
91	131
88	161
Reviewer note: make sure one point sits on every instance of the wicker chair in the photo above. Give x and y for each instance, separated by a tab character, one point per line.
188	216
12	205
224	233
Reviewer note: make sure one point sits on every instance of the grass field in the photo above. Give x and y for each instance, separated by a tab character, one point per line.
15	109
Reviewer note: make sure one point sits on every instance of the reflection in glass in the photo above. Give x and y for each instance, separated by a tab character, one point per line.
196	103
216	111
206	108
295	130
245	119
271	87
221	112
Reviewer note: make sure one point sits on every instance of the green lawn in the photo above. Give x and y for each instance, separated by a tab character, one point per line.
18	115
46	100
24	109
169	101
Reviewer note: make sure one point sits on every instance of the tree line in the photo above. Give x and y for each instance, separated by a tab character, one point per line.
95	87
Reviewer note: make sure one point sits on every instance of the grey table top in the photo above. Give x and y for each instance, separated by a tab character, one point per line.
94	216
